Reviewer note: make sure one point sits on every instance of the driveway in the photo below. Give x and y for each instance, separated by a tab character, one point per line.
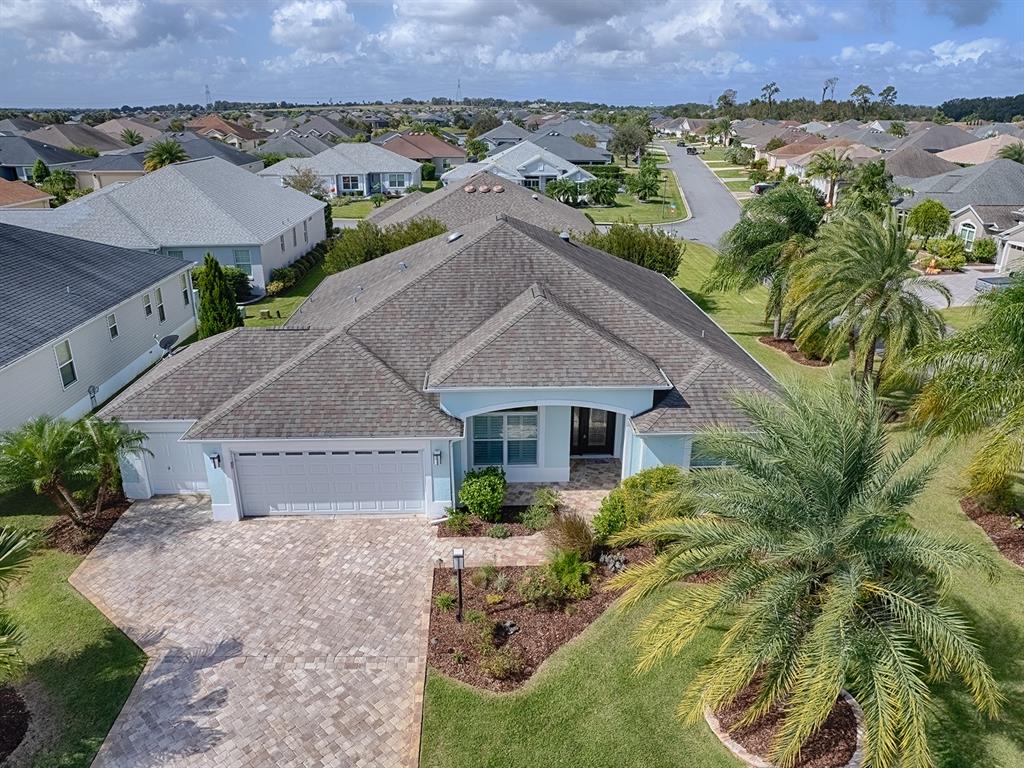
960	284
271	642
713	208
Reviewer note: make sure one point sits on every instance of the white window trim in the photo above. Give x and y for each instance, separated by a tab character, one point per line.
244	266
342	188
161	313
147	305
112	330
967	228
504	440
70	361
186	290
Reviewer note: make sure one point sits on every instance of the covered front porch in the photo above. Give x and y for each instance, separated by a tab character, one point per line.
590	480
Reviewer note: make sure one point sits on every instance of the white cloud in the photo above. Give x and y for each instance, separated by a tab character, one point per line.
323	26
949	53
867	51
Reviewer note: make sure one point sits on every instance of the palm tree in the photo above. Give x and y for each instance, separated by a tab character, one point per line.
857	282
644	185
15	548
49	456
831	165
772	232
602	191
977	385
109	442
164	152
563	190
131	137
769	90
820	580
1013	152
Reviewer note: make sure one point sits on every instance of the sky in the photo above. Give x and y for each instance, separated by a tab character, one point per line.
96	53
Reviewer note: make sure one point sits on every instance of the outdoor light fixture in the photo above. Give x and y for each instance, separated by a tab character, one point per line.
437	457
458	563
215	460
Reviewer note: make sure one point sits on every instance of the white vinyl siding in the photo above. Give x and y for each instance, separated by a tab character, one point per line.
112	326
282	243
65	363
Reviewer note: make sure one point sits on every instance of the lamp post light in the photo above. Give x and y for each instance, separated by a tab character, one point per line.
458	563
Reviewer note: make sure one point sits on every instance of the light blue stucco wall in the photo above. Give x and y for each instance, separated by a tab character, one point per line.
557	425
629	401
440	474
641	452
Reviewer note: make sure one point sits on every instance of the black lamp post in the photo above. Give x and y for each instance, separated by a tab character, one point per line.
458	563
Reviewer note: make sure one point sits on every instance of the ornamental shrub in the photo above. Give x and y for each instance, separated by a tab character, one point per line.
276	287
652	248
546	503
950	253
483	492
367	241
569	531
630	503
985	250
571	571
458	521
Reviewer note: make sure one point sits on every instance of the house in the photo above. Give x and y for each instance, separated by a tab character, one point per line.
278	124
779	157
18	154
322	128
290	145
501	344
81	320
982	131
572	128
73	136
673	126
980	151
915	163
18	194
856	154
505	135
1010	246
129	164
938	138
238	136
569	149
523	163
190	209
424	148
114	128
18	126
483	194
359	169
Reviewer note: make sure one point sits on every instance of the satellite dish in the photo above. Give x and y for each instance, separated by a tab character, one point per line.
167	342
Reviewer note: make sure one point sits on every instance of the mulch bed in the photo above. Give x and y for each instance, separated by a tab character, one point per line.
790	348
64	536
831	747
541	632
14	719
509	517
1008	540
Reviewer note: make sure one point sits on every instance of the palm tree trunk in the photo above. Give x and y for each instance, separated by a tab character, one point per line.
62	497
869	363
852	346
777	325
832	193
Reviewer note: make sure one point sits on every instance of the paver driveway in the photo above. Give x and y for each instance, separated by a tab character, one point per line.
272	642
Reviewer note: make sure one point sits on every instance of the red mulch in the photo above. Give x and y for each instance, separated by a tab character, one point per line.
64	536
1008	540
831	746
509	517
790	348
541	632
14	719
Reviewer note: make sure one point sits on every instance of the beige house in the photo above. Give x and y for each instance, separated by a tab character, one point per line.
979	151
18	194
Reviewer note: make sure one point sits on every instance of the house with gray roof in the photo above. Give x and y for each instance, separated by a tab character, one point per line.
320	127
572	128
915	163
18	154
73	135
523	163
189	209
357	169
505	135
569	149
118	125
938	138
81	320
18	126
293	146
498	344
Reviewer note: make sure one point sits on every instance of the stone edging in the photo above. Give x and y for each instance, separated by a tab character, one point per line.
752	760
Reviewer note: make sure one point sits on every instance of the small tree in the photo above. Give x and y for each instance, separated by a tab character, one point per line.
586	139
428	171
1013	152
131	137
164	152
39	171
629	139
601	191
218	311
476	148
897	128
652	248
87	151
367	241
928	219
774	144
306	181
15	549
60	183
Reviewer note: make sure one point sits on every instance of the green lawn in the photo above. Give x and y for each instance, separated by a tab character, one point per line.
85	665
739	186
730	172
654	211
356	209
285	303
958	317
714	153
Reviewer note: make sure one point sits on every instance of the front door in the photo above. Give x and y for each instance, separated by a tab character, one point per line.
593	432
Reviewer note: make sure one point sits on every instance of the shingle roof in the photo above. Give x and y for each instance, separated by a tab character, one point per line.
323	126
570	127
19	125
117	126
507	131
69	136
997	182
508	162
570	149
228	128
354	158
938	138
195	146
915	163
18	150
454	207
17	192
416	145
293	146
52	284
980	151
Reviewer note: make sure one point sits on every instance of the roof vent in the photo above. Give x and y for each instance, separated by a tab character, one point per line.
355	296
454	236
497	189
535	196
564	235
402	266
469	188
483	188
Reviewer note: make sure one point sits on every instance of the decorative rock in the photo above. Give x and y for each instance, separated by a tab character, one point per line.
613	561
507	628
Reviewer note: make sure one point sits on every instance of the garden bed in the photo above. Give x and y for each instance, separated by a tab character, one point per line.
62	535
14	719
455	649
508	518
790	348
999	528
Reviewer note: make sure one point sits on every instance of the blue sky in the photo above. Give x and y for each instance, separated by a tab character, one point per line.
94	53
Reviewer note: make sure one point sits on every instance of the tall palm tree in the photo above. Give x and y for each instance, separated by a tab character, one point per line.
108	442
164	152
857	282
831	165
1013	152
15	548
773	230
131	137
976	384
821	581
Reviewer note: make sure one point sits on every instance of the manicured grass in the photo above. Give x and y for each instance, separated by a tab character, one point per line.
430	186
85	665
958	317
356	209
714	153
653	211
285	303
729	172
739	186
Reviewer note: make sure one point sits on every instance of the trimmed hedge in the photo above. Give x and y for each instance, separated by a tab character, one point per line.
610	171
629	504
284	278
483	492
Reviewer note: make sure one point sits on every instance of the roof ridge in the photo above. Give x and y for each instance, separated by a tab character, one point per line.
244	227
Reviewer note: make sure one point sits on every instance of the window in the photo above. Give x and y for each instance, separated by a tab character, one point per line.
243	260
65	363
112	326
305	231
349	183
505	438
147	305
295	237
699	460
282	243
531	182
160	305
176	254
967	233
186	294
396	180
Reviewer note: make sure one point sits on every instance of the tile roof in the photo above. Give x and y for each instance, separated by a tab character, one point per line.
997	182
346	158
21	151
69	136
52	284
18	192
454	207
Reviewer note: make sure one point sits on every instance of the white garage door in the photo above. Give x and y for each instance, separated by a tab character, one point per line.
175	467
330	482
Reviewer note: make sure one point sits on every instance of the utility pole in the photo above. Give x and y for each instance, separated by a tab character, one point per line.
208	104
458	91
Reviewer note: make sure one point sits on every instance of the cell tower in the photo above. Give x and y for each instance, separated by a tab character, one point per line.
208	101
458	91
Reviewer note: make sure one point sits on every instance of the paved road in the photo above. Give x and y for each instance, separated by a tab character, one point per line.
713	209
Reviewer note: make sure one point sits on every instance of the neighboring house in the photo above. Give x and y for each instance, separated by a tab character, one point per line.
1010	246
190	209
841	129
505	135
523	163
779	158
569	149
129	164
672	126
238	136
70	136
357	169
322	128
114	128
857	154
572	128
815	127
980	151
18	154
18	126
915	163
18	194
423	148
983	131
498	345
278	124
758	139
937	138
483	194
293	146
81	320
